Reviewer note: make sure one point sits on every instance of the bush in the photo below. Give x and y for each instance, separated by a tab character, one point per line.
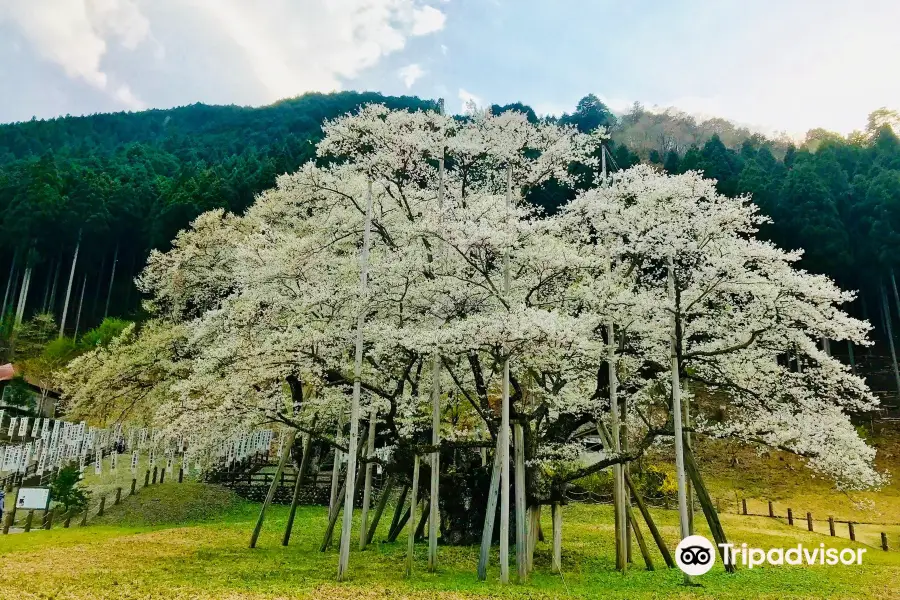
64	488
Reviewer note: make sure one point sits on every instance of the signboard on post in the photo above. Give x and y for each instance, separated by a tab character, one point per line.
33	499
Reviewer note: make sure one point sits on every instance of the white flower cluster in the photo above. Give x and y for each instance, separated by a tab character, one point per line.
256	314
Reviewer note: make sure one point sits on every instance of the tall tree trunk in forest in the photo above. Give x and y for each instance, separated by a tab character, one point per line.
51	306
112	278
80	305
9	280
23	295
47	288
14	291
62	323
890	335
97	287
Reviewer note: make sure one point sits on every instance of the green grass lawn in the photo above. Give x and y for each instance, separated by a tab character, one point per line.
190	541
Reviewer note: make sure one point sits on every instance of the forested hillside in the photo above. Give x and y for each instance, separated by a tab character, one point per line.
114	186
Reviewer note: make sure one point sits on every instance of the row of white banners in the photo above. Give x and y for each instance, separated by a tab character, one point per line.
54	443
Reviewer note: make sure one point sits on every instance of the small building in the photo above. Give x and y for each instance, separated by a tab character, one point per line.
19	393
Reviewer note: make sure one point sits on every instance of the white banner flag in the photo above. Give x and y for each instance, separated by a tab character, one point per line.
13	421
134	461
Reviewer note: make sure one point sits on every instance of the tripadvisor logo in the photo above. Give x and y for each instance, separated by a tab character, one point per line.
696	555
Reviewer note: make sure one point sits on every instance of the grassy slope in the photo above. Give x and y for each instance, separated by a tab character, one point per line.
131	553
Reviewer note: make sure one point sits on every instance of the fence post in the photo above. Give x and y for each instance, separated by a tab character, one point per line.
181	474
744	505
884	544
809	522
831	525
102	506
852	532
162	475
118	496
790	517
771	510
155	475
30	516
147	478
133	486
48	519
7	522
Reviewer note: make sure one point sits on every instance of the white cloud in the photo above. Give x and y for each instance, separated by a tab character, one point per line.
410	74
466	98
74	34
427	20
294	49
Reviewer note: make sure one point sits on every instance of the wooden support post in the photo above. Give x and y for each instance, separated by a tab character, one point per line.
68	519
30	517
84	516
423	519
556	562
852	532
333	516
298	483
147	478
7	522
48	519
771	510
118	499
400	525
181	474
709	511
398	513
744	506
133	486
155	474
884	544
411	539
534	522
790	517
367	488
487	532
521	523
379	508
102	506
809	521
434	501
162	475
831	526
642	544
286	452
606	439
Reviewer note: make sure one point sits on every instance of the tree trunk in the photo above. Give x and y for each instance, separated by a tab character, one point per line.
852	358
96	301
47	288
890	336
23	295
112	278
9	280
62	326
80	305
706	503
286	452
51	305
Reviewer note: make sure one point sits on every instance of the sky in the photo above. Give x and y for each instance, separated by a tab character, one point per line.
775	65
